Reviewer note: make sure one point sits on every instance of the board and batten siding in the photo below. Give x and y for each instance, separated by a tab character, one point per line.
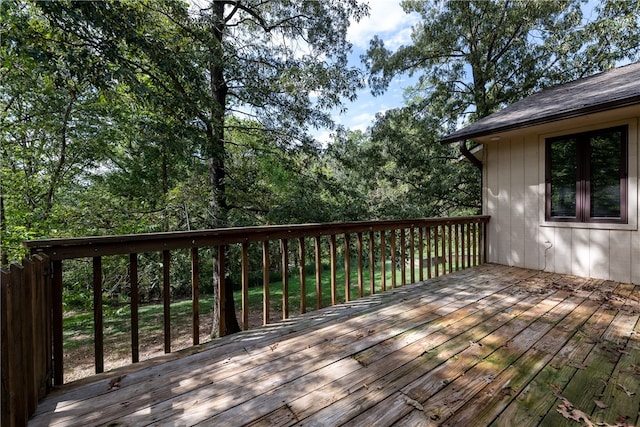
514	196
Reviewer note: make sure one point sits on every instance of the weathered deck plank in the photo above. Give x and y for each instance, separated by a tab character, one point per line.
492	344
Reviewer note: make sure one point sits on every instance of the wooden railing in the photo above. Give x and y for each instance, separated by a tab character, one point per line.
26	338
419	249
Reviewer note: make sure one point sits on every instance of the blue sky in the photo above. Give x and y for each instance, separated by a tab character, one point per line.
393	25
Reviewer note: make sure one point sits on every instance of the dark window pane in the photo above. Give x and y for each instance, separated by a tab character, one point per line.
606	152
563	177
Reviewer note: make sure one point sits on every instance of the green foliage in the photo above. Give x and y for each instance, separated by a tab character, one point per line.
474	57
471	59
142	116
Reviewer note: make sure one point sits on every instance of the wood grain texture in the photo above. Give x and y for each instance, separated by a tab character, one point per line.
490	345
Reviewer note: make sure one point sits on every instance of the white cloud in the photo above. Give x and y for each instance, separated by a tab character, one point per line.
387	20
361	121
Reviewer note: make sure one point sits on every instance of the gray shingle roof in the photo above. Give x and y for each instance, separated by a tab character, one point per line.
619	87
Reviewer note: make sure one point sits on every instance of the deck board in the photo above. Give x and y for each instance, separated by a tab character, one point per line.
491	345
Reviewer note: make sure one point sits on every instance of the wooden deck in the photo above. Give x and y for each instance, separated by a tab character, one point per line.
491	345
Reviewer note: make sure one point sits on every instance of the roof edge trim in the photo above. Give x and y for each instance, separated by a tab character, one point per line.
620	103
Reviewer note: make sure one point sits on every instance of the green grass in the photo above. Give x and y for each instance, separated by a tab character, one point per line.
78	326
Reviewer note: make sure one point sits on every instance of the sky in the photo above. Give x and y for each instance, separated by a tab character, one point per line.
387	20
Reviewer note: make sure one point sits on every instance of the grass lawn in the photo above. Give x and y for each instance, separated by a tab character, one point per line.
78	326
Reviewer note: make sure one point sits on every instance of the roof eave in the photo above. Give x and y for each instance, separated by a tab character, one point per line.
619	103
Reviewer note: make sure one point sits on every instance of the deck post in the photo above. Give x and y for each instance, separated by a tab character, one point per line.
166	299
195	296
302	268
133	281
97	315
265	282
56	309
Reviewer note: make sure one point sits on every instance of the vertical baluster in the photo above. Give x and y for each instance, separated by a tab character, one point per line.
450	247
443	241
265	282
372	264
412	254
135	327
56	300
97	315
334	287
436	256
429	253
463	246
245	285
469	245
30	344
195	296
220	268
421	253
284	248
360	266
166	298
303	281
456	245
403	257
474	246
394	261
347	267
383	261
483	257
318	273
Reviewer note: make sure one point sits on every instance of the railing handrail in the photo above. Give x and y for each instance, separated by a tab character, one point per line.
450	243
70	248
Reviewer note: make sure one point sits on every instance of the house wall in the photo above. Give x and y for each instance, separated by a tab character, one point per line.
514	196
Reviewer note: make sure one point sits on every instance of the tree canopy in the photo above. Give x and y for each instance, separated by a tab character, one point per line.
159	115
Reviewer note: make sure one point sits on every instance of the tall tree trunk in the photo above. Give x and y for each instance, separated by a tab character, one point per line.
216	153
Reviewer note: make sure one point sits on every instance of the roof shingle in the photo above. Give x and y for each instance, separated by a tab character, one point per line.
616	88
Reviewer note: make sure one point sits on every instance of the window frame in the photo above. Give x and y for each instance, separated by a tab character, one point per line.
583	166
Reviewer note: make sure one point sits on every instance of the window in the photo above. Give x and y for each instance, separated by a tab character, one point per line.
586	177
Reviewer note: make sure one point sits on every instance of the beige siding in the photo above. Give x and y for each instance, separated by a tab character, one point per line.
514	197
531	200
635	258
504	206
516	193
620	253
491	202
580	253
563	250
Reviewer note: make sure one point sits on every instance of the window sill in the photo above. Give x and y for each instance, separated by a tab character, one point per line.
590	225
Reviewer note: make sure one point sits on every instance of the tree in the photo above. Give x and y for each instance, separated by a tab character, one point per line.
54	127
475	57
399	170
281	63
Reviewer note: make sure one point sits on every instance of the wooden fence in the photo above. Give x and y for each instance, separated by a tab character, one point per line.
26	338
32	314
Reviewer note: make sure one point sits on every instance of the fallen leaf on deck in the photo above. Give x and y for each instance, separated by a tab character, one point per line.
556	389
115	382
411	402
579	366
567	410
273	347
621	420
600	404
626	390
507	391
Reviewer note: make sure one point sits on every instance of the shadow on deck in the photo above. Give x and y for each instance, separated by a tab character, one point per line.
490	344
